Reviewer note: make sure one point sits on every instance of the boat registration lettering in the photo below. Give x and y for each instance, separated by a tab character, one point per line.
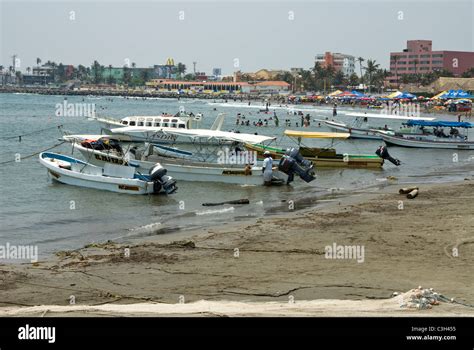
110	159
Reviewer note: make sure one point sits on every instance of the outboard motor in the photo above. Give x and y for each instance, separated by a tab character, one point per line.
161	181
293	162
382	152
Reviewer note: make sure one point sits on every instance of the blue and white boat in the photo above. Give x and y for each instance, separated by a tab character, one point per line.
433	134
110	177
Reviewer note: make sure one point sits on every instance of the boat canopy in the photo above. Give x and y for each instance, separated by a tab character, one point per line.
439	124
317	135
199	133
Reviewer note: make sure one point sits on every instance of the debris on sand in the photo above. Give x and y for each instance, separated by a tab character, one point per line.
419	298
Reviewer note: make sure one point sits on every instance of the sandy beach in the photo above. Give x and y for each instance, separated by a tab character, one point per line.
271	266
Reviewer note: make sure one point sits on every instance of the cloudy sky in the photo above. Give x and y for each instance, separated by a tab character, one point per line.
260	34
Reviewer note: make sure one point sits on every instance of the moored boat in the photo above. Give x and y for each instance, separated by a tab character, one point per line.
182	169
431	134
322	157
110	177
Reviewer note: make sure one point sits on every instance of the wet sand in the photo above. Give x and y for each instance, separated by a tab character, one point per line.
270	266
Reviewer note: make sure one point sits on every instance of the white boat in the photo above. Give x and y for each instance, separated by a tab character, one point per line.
179	120
180	169
110	177
360	131
159	129
421	137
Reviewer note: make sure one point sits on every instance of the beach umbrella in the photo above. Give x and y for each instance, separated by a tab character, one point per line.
335	93
438	96
358	94
346	94
394	94
406	95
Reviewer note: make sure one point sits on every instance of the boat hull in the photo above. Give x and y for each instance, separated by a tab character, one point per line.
413	143
92	178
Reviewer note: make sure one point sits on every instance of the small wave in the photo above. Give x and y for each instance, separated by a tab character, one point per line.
216	211
148	227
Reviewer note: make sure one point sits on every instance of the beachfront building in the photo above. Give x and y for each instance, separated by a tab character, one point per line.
341	62
419	58
164	71
36	79
270	87
218	87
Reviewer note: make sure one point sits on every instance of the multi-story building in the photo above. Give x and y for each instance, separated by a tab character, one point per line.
340	62
419	58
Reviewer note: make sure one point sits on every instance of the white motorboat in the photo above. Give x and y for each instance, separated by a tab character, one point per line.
180	169
110	177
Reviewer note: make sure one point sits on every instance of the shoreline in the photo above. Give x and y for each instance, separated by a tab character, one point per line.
405	248
272	98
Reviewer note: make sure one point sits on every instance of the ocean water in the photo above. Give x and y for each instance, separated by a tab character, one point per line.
34	211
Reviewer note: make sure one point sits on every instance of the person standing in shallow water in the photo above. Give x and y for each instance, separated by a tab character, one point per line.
334	110
267	168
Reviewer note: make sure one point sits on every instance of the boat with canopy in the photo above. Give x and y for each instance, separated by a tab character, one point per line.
432	134
321	157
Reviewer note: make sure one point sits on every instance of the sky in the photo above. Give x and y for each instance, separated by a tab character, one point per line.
232	35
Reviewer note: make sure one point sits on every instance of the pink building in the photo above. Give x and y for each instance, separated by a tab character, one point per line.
419	58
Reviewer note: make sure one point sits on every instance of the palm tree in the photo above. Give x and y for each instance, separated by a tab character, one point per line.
38	61
319	75
81	72
370	70
19	77
340	78
181	69
354	80
97	70
360	60
329	74
28	70
1	68
110	74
